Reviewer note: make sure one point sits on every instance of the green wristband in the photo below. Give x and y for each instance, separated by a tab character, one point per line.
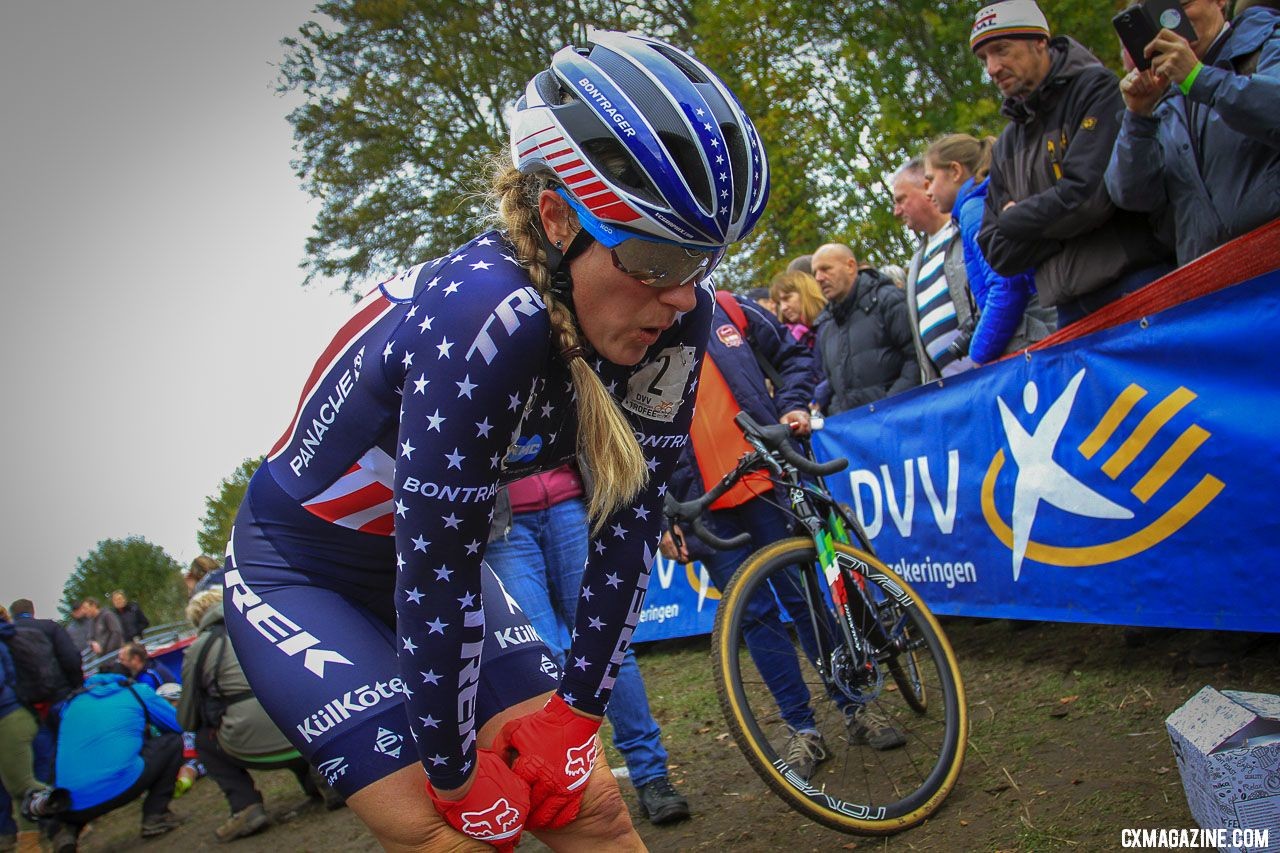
1190	80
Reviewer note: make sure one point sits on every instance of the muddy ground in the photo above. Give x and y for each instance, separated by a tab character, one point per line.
1067	747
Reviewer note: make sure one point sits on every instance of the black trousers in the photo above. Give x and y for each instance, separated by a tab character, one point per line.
232	774
161	758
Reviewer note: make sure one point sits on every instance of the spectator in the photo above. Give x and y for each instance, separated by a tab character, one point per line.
64	651
116	741
865	349
538	547
134	658
733	380
760	295
895	274
79	628
233	732
1201	130
133	622
205	573
1047	210
1009	314
17	733
939	305
803	263
63	676
106	634
800	304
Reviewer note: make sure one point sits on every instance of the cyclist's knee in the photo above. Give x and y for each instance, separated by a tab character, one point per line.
603	823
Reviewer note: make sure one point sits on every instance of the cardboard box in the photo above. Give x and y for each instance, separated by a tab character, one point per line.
1227	745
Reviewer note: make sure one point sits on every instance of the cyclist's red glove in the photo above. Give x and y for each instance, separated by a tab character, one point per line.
556	750
494	810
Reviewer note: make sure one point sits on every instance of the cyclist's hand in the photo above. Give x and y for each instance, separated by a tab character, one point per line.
798	420
672	544
494	809
555	750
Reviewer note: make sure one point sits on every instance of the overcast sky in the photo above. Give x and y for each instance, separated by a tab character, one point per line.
154	328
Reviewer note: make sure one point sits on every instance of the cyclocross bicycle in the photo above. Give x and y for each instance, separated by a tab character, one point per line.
868	648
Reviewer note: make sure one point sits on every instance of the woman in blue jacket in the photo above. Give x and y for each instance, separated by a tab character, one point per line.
956	178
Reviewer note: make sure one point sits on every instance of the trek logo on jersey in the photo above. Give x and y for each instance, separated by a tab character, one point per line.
278	629
524	449
524	301
338	711
388	742
517	635
1042	481
325	417
498	821
578	761
333	769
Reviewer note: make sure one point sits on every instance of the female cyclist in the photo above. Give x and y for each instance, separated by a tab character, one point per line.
356	595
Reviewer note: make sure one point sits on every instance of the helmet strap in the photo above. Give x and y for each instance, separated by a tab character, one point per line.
558	265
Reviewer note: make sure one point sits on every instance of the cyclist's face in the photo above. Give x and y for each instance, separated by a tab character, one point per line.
620	316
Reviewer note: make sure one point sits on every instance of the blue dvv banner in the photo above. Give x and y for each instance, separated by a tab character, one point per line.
681	602
1128	477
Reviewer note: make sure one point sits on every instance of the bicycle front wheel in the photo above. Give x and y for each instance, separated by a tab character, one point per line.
886	758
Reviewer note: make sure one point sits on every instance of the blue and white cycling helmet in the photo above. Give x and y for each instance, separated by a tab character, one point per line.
698	175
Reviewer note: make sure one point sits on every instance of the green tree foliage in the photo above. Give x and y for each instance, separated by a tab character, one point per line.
221	507
404	102
144	571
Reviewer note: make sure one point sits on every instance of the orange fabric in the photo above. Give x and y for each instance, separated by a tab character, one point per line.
717	441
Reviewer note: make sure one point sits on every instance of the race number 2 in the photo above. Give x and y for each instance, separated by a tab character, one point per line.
656	390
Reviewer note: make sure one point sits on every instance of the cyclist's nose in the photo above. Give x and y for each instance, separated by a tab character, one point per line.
682	298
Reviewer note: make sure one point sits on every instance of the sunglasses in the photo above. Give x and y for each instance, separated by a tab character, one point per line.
650	261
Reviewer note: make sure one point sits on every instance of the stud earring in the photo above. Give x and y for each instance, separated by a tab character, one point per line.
559	244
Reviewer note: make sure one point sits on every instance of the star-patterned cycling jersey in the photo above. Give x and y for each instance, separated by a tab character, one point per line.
443	385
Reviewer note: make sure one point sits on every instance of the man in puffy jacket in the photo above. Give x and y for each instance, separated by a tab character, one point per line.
864	334
116	741
1047	209
1201	129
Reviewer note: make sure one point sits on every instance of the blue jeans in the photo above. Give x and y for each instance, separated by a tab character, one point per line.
540	561
766	638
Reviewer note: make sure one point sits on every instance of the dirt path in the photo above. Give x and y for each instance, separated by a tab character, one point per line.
1067	747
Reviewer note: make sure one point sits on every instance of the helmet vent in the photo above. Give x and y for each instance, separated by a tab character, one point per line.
736	145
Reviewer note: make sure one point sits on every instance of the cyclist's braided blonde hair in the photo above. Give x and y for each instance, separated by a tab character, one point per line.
605	439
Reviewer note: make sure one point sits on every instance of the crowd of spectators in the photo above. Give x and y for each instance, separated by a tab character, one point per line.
1096	187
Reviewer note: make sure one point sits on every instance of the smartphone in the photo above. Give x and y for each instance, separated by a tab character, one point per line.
1140	23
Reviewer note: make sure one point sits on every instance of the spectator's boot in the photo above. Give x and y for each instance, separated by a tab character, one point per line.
159	824
661	802
65	839
245	822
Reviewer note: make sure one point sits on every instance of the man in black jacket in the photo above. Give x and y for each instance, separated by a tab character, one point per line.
1047	208
133	622
64	648
864	334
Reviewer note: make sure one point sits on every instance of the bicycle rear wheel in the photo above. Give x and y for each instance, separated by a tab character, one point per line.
858	789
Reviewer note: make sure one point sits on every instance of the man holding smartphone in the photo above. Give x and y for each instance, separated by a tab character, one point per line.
1201	130
1046	207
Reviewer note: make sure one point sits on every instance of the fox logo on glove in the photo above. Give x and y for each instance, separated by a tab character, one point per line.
578	762
494	822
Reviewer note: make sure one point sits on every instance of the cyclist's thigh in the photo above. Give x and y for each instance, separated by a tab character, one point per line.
328	673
